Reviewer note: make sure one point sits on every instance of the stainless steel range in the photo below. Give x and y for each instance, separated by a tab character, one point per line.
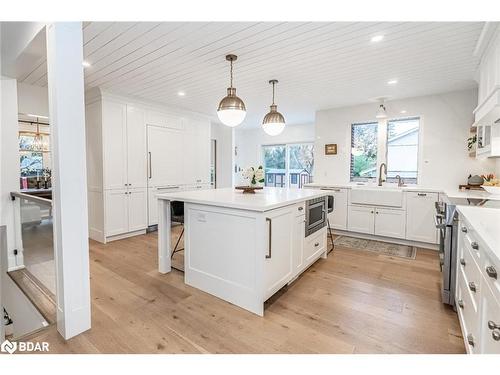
446	221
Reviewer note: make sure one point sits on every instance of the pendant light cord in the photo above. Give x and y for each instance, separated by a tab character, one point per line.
273	92
231	82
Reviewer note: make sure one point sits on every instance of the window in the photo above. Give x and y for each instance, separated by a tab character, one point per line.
32	158
288	165
401	144
402	149
364	151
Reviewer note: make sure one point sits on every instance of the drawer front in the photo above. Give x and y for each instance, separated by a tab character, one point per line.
314	245
491	273
300	209
472	276
490	323
467	313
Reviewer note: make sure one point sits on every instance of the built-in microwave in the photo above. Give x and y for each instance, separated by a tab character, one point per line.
316	214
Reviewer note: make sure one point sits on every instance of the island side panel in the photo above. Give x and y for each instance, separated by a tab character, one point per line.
223	248
164	234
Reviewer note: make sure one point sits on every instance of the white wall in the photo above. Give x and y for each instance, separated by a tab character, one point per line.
32	99
444	129
224	160
9	161
249	143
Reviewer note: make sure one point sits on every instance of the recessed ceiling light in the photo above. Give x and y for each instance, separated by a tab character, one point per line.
181	93
403	111
86	64
377	38
392	82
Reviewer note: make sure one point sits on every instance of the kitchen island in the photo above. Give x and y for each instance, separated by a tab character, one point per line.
240	247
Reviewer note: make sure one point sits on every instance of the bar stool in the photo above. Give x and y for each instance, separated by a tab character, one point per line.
177	216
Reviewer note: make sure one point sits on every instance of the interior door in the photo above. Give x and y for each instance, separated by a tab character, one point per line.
136	148
165	156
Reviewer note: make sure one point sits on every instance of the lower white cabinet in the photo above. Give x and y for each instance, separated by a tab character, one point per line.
299	232
338	217
361	219
489	335
390	223
126	211
420	211
278	265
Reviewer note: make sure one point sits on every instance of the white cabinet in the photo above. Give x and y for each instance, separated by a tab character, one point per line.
490	336
389	223
299	232
125	211
136	148
314	247
196	152
361	219
165	156
114	144
116	203
420	212
278	265
338	217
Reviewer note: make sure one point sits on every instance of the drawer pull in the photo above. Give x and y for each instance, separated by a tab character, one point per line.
470	339
492	325
491	271
474	245
495	335
270	239
422	194
462	261
472	286
316	244
464	229
460	303
301	208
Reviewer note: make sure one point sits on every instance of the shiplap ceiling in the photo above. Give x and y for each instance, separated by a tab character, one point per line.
318	65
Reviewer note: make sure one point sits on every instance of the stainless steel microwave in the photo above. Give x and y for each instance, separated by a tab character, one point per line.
316	214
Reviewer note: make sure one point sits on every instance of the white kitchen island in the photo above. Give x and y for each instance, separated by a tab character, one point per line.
240	247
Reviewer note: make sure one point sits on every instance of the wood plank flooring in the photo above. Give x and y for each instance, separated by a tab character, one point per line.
352	302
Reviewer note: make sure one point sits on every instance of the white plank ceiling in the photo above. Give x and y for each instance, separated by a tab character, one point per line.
318	65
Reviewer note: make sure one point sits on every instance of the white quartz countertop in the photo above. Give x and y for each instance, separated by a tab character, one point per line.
486	223
263	200
318	185
471	194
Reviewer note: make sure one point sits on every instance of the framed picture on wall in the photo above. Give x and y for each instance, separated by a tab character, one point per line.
331	149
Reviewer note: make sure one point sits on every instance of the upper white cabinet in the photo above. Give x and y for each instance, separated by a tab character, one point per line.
114	139
420	212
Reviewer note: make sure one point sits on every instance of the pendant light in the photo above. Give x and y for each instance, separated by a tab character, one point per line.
274	122
231	111
381	113
37	140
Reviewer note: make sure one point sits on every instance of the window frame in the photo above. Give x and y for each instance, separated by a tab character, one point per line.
351	156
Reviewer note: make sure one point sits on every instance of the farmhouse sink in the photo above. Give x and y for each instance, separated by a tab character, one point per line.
377	196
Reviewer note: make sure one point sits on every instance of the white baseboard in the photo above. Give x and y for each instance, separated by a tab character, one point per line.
399	241
97	235
125	235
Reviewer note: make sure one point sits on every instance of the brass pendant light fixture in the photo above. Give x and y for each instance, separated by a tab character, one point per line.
231	111
274	122
37	140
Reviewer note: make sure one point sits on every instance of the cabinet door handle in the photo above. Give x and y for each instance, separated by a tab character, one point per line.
460	303
491	271
464	229
301	208
472	286
371	212
316	244
474	245
150	168
462	261
495	335
269	249
492	325
470	339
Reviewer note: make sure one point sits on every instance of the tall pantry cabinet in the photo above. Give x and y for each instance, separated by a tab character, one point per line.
124	168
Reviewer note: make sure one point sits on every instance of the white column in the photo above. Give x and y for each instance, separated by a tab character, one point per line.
164	236
67	119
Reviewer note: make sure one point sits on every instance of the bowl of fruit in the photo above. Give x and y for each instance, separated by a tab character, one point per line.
491	184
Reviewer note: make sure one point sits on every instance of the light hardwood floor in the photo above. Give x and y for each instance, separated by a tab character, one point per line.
352	302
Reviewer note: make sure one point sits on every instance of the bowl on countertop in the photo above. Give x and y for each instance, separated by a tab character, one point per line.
495	190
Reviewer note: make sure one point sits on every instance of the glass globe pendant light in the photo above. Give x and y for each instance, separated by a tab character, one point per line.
231	111
274	122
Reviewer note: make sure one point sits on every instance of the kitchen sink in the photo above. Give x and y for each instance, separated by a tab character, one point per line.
377	196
